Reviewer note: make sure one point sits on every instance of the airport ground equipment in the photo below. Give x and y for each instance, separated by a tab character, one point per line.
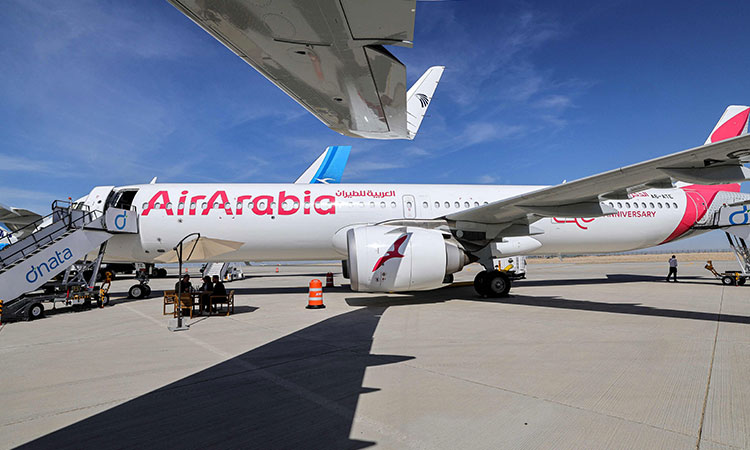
728	278
224	270
315	295
514	266
734	220
59	244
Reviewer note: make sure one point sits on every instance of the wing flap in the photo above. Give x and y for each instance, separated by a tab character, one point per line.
324	55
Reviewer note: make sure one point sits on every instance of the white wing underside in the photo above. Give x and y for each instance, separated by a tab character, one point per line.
328	55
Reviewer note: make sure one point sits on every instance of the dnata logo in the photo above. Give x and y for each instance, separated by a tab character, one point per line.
121	218
37	272
423	100
740	220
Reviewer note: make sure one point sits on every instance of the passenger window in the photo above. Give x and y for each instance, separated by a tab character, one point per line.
437	205
361	204
659	205
457	205
635	205
627	204
611	204
408	205
425	205
466	204
476	204
145	206
667	205
675	205
393	204
651	205
382	204
643	205
372	204
486	203
447	204
619	204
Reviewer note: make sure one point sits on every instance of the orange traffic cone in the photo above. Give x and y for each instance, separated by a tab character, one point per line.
315	297
329	279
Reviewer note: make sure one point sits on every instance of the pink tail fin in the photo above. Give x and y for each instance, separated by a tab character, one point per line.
733	123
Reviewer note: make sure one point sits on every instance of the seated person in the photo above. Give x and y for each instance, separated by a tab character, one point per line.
183	285
219	289
207	288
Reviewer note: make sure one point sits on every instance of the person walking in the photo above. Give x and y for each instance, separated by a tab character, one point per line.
672	268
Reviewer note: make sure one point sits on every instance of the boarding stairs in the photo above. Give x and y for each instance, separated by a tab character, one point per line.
224	270
734	220
54	243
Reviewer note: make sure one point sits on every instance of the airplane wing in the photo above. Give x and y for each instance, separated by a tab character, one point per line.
16	218
328	168
720	162
328	55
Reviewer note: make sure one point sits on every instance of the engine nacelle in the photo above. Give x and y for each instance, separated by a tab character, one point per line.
386	259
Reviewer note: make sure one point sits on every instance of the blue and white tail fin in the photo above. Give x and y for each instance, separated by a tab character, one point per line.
418	98
328	168
733	123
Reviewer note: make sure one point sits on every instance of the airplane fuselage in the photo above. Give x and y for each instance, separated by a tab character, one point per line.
277	222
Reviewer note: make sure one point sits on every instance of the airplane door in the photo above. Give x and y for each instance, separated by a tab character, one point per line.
96	200
410	208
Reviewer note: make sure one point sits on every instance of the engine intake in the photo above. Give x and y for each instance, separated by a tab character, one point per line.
386	259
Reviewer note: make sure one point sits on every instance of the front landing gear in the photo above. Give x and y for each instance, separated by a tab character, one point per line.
492	284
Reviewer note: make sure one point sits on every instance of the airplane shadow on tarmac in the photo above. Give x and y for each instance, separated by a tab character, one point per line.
300	391
463	293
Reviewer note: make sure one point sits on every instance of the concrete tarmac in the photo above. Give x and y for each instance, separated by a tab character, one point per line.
580	356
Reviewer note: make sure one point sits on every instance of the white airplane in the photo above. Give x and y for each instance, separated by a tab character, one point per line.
329	56
413	237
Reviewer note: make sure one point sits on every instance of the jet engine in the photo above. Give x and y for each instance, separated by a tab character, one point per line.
387	258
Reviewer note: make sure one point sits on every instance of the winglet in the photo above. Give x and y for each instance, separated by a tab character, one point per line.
328	168
418	98
733	123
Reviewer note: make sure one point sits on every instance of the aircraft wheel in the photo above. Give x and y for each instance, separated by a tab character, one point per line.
480	283
36	311
146	291
498	284
741	281
136	291
727	280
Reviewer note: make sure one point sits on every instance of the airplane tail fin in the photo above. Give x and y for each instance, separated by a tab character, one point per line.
733	123
418	98
328	168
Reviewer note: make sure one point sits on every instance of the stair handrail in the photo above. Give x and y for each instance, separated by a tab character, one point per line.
58	206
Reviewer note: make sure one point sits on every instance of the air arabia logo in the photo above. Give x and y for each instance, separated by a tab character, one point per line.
423	100
390	254
261	205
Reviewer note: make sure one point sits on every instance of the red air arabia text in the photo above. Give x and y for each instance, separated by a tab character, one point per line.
286	204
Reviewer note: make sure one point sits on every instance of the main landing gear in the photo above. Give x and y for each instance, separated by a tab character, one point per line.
492	283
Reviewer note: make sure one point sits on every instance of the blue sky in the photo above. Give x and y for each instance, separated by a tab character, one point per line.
105	92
